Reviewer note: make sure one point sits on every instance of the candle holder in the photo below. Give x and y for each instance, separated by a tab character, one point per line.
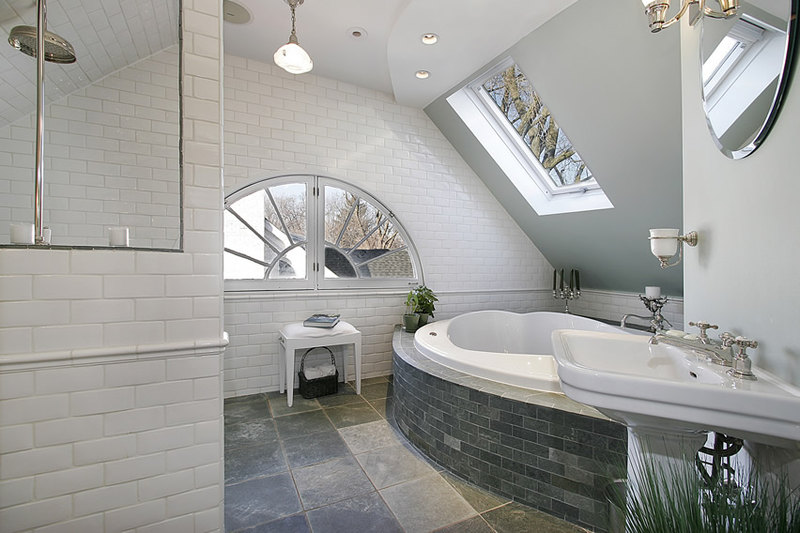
564	291
654	305
566	294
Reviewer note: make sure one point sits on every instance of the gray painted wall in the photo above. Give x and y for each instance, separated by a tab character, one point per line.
615	89
743	274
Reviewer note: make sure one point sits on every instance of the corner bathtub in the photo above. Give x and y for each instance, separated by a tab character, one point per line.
506	347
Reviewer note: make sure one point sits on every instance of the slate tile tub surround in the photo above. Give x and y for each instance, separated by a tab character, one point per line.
540	449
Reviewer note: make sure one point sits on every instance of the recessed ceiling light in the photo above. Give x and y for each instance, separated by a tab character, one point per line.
422	74
357	32
235	13
429	38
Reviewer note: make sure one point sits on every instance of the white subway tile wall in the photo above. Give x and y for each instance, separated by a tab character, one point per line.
276	123
103	427
111	159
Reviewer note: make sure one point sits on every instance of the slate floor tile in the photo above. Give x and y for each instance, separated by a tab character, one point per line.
362	514
346	395
259	460
375	391
480	500
370	436
303	424
279	407
250	432
246	408
352	415
332	481
517	518
392	465
426	503
312	449
291	524
246	502
473	525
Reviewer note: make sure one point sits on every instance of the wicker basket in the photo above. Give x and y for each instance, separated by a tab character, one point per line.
313	388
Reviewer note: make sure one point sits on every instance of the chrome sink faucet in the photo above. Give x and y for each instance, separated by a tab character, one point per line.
715	351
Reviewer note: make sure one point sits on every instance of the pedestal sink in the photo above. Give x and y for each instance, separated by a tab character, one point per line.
670	390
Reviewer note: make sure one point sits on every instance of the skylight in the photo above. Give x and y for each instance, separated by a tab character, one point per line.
518	130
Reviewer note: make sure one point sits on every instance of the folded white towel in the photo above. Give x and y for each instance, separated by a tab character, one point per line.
321	371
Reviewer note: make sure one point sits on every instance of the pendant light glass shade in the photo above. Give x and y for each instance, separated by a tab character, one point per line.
291	57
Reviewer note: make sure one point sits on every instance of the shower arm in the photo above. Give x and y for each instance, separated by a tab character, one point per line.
38	186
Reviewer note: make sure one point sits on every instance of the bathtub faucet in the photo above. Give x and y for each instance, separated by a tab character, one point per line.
656	320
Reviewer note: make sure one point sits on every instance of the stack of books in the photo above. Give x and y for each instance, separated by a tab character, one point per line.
319	320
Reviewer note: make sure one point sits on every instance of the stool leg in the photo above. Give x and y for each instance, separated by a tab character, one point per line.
357	350
282	366
289	362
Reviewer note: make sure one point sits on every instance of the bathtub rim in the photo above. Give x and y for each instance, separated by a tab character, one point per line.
403	347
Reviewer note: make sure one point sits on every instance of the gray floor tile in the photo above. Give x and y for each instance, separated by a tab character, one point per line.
392	465
383	406
473	525
250	432
291	524
375	391
330	482
260	460
363	514
303	424
352	415
480	500
426	503
279	407
317	448
372	436
246	408
517	518
346	395
376	379
260	500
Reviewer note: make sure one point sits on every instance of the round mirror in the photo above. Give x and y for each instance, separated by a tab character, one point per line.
746	60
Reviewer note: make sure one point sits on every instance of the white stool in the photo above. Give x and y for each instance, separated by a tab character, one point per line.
295	336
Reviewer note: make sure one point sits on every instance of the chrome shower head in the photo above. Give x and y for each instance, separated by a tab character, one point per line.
56	49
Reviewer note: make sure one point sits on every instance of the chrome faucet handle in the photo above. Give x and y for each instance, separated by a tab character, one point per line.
703	327
727	339
742	366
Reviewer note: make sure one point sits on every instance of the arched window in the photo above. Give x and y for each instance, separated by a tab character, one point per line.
302	232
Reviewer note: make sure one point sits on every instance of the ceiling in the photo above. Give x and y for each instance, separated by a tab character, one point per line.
390	51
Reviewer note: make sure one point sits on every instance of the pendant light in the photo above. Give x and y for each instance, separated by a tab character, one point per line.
291	57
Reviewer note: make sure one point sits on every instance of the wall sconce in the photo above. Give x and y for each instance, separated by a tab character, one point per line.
665	243
656	11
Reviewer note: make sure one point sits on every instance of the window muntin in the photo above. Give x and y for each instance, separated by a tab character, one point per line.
361	241
313	232
521	106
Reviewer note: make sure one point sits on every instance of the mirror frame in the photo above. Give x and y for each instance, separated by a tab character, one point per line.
761	133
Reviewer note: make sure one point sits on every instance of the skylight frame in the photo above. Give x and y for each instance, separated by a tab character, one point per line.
514	158
522	151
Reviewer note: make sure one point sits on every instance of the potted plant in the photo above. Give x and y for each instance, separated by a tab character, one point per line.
410	318
423	300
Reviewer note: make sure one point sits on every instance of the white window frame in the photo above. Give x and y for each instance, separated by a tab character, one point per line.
314	278
498	136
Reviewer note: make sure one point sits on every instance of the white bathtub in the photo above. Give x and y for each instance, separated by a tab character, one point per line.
506	347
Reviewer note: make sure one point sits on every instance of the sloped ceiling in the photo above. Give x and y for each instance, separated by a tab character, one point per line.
615	89
107	35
